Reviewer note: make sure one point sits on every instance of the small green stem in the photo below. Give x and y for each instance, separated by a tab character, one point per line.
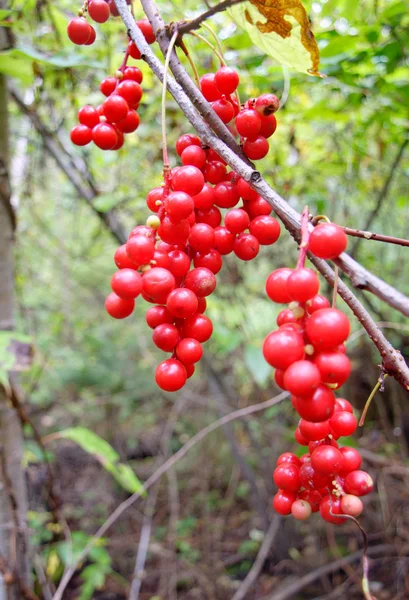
213	48
186	52
371	395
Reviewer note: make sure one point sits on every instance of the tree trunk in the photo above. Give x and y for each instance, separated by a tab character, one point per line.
14	556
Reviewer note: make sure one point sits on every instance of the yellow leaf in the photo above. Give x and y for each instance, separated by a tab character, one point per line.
53	564
281	29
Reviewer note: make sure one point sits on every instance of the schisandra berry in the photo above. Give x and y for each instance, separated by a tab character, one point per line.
189	351
98	10
303	284
248	123
328	240
351	505
79	31
256	148
327	460
182	303
127	284
301	510
317	407
104	136
276	285
198	326
81	135
209	88
118	307
170	375
302	378
246	246
165	337
266	229
283	502
358	483
226	80
201	281
327	328
283	347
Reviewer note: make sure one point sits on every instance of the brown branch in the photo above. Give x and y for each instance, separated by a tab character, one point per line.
392	360
186	26
376	237
79	178
10	577
383	192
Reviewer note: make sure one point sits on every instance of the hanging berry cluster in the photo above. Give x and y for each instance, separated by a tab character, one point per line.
308	352
172	261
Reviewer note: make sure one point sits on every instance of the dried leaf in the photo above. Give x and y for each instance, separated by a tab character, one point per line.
281	29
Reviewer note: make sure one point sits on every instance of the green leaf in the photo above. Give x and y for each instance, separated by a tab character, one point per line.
94	578
281	29
16	65
253	357
106	455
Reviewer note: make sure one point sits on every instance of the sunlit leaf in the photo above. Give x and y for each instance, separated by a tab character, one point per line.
281	29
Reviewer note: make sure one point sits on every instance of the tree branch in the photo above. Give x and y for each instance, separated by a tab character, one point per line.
186	26
392	360
376	237
69	166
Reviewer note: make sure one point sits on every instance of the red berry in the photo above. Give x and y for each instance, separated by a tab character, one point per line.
283	347
299	438
133	50
288	457
127	284
303	284
157	284
205	198
309	478
189	351
266	104
179	205
258	207
92	37
108	85
358	483
313	498
224	109
212	216
198	326
343	423
256	148
147	30
342	404
215	172
173	233
209	88
122	259
351	505
165	337
352	459
327	328
115	108
154	196
314	431
185	141
188	179
285	316
131	91
201	281
316	303
276	285
79	31
182	303
328	240
266	229
248	123
335	367
301	510
130	123
227	80
327	460
157	315
286	477
98	10
104	136
302	378
268	125
236	220
118	307
170	375
201	237
330	506
245	190
81	135
283	502
133	73
224	240
88	115
246	246
317	407
226	194
179	263
140	249
194	155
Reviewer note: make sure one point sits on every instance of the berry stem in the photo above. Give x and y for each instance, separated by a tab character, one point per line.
166	165
125	60
379	383
186	52
213	48
304	239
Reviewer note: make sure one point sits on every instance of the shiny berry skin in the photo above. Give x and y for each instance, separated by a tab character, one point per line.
342	404
179	263
224	240
283	502
245	190
140	249
236	220
92	37
209	88
327	327
314	431
268	126
170	375
104	136
165	337
157	284
285	316
299	438
201	237
205	198
327	460
173	233
302	378
313	498
226	194
127	284
316	303
288	457
118	307
185	141
258	207
351	505
147	30
188	179
328	241
182	303
215	172
283	347
201	281
131	91
358	483
309	478
330	506
301	510
87	115
276	285
212	216
122	259
335	367
108	85
81	135
189	351
115	108
98	10
248	122
256	148
267	104
303	284
160	259
133	51
246	246
133	73
352	459
227	80
179	206
211	260
193	155
317	407
79	31
130	123
286	477
157	315
223	109
266	229
198	326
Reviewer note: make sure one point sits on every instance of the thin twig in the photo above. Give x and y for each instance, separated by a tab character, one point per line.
186	26
171	462
376	237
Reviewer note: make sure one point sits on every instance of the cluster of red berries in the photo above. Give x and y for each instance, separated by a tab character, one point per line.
80	31
308	352
254	122
172	261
